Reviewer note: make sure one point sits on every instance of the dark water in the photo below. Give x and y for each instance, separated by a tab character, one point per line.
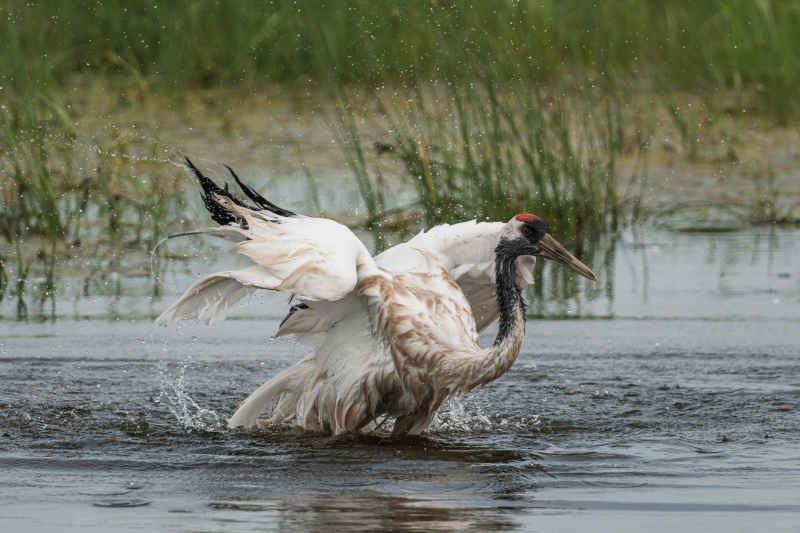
681	413
626	424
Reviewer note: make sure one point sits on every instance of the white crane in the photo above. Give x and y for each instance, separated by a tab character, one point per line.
396	335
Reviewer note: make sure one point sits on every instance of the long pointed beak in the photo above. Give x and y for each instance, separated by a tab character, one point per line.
552	249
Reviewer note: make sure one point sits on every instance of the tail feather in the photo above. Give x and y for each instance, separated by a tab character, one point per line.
284	388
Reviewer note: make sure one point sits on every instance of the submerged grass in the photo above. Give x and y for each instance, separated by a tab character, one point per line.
766	205
67	199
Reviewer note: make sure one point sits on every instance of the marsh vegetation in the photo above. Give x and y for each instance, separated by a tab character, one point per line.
683	46
595	118
68	197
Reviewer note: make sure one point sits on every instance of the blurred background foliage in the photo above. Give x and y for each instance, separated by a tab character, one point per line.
746	45
471	109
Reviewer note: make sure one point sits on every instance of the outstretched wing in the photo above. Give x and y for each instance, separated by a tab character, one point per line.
465	250
312	258
477	282
210	298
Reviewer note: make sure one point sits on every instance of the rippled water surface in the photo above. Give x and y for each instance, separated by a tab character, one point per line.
683	412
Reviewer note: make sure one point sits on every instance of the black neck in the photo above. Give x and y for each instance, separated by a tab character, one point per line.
509	295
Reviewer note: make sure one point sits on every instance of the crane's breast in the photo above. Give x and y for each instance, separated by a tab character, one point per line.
435	304
424	319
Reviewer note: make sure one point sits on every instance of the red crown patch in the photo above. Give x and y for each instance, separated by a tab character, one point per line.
527	217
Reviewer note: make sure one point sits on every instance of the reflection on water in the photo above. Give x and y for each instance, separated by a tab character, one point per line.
658	273
367	484
369	511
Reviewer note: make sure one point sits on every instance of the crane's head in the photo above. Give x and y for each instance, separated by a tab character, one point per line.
526	234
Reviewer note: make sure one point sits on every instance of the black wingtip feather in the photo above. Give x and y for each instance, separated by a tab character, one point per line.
218	214
258	199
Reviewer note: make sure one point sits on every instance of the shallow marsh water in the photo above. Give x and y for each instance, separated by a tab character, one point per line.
678	408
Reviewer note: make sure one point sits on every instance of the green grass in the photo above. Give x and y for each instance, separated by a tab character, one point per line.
370	182
63	197
766	205
29	203
745	45
473	153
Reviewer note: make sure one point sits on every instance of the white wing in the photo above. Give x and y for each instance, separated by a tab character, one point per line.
312	258
211	297
466	250
453	245
477	282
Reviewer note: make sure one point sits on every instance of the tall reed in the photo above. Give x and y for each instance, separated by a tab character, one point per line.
476	152
65	197
33	208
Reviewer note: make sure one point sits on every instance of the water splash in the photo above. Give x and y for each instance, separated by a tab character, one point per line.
467	416
454	416
189	414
